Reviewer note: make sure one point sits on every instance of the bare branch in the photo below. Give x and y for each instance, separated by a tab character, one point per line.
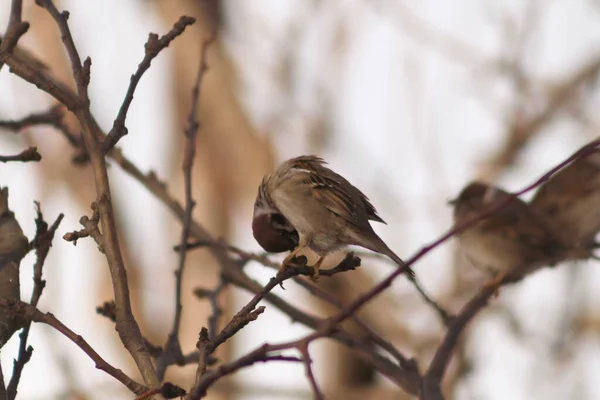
15	29
153	46
41	243
126	325
31	313
52	117
261	354
27	155
172	347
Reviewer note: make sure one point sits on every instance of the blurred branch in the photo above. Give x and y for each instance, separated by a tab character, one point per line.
172	349
431	386
27	155
42	242
30	313
167	390
53	117
410	23
523	129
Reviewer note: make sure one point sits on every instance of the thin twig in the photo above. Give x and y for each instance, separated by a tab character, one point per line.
126	325
54	117
261	354
27	155
43	240
172	350
31	313
15	29
153	46
307	361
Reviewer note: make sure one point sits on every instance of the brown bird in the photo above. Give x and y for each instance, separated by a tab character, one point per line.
326	210
511	241
569	202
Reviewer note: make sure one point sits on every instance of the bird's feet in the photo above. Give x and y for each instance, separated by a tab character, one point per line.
315	274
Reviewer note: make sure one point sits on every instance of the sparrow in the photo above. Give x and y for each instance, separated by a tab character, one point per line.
569	201
273	231
327	212
510	242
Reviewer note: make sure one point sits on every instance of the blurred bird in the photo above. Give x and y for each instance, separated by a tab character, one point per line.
325	210
510	242
569	202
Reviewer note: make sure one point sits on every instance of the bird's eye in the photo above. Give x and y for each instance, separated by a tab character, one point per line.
278	219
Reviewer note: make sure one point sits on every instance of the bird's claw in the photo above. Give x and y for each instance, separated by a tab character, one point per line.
315	275
494	283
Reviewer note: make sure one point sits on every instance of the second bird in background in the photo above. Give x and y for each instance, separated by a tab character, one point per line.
511	241
569	202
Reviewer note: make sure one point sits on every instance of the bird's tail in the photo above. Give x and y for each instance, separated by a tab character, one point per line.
383	248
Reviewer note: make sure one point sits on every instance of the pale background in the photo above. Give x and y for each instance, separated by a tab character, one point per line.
408	100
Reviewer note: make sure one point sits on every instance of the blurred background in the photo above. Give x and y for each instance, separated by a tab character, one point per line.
408	100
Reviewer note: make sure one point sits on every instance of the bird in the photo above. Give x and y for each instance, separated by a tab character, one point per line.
510	242
273	231
327	212
569	201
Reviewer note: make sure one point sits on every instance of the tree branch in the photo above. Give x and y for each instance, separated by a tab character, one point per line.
15	29
41	243
31	313
27	155
153	46
126	325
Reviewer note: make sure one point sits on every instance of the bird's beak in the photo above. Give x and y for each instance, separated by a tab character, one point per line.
452	202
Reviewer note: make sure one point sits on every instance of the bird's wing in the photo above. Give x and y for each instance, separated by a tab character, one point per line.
577	180
329	192
334	191
516	221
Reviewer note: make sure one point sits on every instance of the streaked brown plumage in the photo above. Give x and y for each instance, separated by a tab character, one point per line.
512	241
569	202
326	210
